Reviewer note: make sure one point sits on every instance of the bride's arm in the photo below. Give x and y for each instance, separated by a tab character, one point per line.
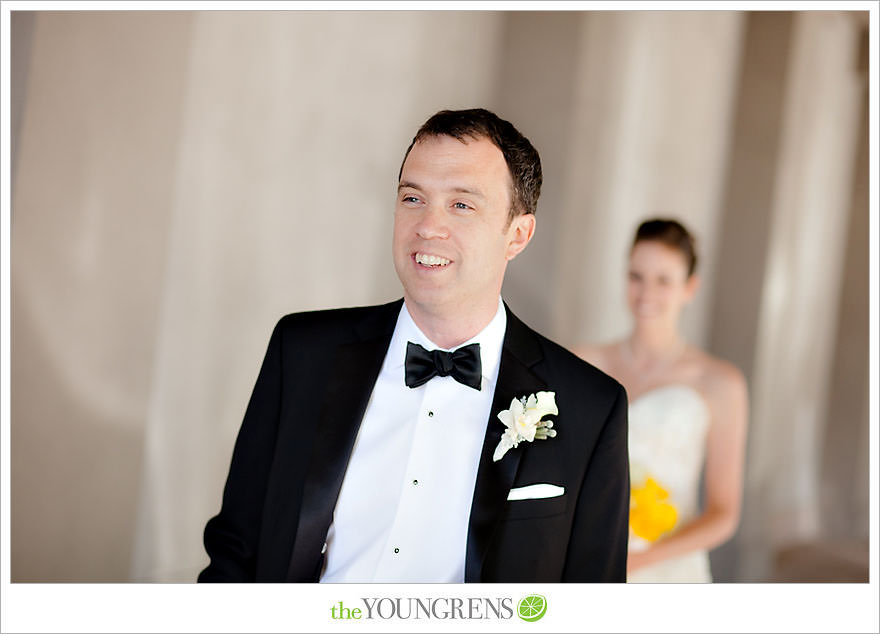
727	397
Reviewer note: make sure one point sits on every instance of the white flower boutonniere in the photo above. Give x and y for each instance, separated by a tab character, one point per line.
523	421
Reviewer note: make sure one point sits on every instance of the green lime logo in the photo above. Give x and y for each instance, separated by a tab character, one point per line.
532	608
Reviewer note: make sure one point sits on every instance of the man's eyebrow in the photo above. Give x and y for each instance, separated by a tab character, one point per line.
460	190
405	184
472	192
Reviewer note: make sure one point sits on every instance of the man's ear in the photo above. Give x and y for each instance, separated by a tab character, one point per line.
520	232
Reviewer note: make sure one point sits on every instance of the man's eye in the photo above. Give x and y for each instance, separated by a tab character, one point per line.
461	206
410	199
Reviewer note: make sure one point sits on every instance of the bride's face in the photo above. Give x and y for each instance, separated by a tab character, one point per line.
659	285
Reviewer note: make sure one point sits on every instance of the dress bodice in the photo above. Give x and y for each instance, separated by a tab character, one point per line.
667	445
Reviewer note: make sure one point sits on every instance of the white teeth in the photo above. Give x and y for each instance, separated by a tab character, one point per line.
431	260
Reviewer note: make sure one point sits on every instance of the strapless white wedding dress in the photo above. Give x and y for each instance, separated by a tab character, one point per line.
667	444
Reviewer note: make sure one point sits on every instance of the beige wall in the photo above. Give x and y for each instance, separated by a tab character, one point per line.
95	173
183	179
845	508
795	338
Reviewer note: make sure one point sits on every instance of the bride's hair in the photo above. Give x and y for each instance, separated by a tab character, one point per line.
671	233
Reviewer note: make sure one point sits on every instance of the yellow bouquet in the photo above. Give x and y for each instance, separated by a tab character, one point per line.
650	517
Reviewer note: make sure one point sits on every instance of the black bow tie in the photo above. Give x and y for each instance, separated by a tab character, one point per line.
463	365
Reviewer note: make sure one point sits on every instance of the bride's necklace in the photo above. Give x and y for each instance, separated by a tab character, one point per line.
656	364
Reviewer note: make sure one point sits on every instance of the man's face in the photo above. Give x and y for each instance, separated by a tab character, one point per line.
452	241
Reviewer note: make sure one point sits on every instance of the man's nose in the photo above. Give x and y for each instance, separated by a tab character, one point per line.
432	223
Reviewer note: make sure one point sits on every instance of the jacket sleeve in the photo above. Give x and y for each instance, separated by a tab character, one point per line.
598	545
231	536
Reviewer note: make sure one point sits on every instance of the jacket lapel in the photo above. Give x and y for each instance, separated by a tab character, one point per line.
355	370
519	354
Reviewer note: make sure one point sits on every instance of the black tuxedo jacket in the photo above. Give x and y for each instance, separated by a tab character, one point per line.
300	426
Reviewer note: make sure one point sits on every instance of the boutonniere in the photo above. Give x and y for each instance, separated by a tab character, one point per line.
523	421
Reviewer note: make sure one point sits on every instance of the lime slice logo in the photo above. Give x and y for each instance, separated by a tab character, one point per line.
532	608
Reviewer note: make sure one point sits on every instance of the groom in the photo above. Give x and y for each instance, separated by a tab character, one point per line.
436	438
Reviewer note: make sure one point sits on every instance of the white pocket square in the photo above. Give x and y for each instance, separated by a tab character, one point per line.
535	492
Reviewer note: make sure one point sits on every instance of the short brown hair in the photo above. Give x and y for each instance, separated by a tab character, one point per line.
521	157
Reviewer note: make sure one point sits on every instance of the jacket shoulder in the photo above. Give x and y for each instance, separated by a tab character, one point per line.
559	364
565	363
335	321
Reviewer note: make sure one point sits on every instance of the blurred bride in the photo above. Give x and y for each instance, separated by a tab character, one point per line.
688	413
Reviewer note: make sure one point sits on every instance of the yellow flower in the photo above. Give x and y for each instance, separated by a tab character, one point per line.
649	516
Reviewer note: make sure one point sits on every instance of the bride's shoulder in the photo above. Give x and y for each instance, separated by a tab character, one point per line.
603	356
721	381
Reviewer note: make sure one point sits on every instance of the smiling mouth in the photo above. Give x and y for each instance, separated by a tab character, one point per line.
645	309
431	261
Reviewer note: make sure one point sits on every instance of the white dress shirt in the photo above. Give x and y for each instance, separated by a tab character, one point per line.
403	509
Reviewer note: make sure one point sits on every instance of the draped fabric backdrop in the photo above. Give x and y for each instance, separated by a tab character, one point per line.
183	179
